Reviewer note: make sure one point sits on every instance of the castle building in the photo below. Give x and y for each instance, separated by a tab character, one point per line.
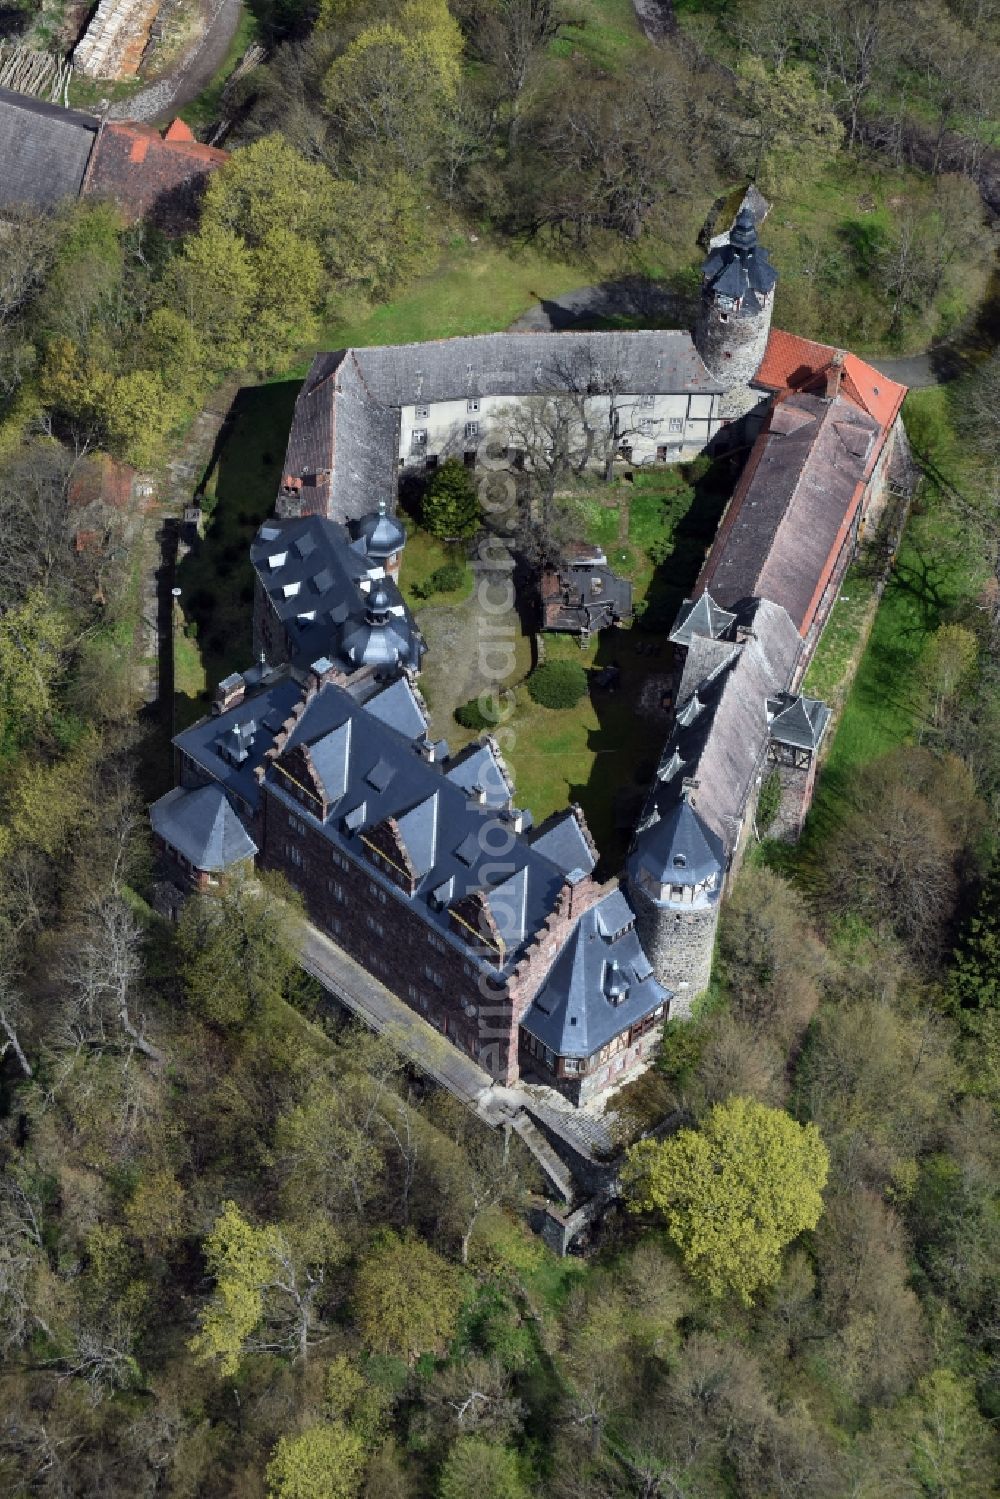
319	762
418	863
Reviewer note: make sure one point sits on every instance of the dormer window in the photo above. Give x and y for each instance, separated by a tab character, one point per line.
680	861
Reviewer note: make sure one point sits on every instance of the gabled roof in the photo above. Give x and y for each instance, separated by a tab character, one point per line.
146	173
479	768
397	706
795	502
562	839
206	742
44	151
714	759
797	721
450	839
700	616
793	363
343	448
202	826
574	1013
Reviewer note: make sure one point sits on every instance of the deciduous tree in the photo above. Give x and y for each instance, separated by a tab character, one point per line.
734	1193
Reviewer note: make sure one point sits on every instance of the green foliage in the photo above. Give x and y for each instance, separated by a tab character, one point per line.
238	949
378	235
34	639
484	1469
471	716
557	684
445	579
733	1193
268	187
407	1298
769	801
974	981
451	505
326	1461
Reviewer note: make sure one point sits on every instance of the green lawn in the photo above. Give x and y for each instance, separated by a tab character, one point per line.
205	109
605	31
423	555
830	670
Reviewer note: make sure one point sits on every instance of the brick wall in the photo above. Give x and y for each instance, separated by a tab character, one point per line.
368	915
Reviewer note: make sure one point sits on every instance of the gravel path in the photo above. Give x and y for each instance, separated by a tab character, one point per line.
593	306
192	73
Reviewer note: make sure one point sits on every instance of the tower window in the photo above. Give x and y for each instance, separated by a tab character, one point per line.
723	317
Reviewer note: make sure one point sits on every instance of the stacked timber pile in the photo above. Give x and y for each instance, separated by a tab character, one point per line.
40	74
113	43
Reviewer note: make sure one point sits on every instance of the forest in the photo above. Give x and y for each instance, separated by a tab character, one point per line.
244	1250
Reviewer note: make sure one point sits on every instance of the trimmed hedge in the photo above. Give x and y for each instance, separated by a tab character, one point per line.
471	716
558	684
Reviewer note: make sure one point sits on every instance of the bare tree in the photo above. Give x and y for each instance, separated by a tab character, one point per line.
513	36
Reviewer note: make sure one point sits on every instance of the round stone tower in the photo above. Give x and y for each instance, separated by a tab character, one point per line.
737	297
674	875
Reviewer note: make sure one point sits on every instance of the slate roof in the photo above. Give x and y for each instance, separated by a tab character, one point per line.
573	1013
344	444
562	839
796	499
681	849
479	768
738	267
202	826
315	574
44	151
720	734
797	721
371	773
214	743
700	616
397	706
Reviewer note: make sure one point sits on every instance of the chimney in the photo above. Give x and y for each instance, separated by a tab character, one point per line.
229	693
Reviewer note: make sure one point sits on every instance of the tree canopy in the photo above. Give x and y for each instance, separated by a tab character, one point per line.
733	1193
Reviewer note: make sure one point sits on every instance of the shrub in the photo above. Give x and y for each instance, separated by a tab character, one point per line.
558	684
471	716
445	579
451	505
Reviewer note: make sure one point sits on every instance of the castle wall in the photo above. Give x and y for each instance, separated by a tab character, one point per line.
797	786
364	913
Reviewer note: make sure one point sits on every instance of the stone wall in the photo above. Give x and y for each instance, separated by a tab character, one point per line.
731	346
679	944
797	785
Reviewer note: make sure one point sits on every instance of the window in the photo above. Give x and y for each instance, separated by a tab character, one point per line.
339	859
296	825
677	424
648	424
335	924
421	413
418	440
374	890
375	926
433	940
294	855
434	976
646	400
571	1064
336	889
472	404
471	429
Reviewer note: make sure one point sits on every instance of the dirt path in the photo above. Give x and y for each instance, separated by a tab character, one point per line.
192	72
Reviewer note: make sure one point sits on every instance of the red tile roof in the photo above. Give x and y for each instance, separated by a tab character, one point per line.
149	174
793	363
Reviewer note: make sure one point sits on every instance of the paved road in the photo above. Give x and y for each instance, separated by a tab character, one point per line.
192	73
917	371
